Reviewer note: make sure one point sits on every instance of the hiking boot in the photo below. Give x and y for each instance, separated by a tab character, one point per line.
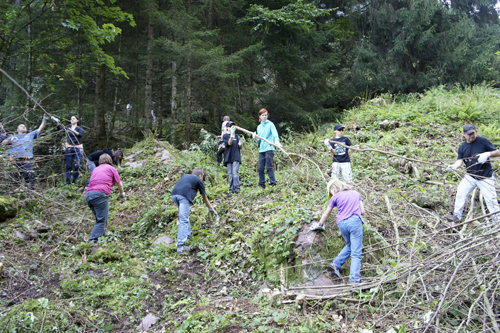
230	194
181	249
334	270
453	219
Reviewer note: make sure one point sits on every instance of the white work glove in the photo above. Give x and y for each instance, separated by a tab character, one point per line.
233	131
450	168
254	135
54	119
241	140
278	144
483	157
121	196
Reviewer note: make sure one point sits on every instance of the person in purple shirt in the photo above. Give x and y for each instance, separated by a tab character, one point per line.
350	209
100	185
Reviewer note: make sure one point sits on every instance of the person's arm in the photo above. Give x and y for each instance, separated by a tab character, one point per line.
362	208
276	137
495	153
6	142
42	126
207	203
456	165
327	213
120	188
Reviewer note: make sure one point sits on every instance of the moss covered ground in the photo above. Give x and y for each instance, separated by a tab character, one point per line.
55	282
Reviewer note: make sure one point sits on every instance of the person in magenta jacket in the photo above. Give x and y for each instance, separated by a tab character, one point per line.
100	185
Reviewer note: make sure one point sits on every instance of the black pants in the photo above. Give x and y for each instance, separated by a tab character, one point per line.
24	166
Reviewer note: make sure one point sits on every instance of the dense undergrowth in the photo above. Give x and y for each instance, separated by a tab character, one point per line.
57	282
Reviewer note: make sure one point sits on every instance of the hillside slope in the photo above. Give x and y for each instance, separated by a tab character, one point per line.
259	268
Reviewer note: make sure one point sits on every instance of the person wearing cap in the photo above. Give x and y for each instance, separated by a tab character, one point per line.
232	157
349	220
341	162
268	131
21	152
183	195
73	153
475	153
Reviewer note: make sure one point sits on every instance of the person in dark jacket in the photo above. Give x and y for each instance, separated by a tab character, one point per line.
183	195
232	158
73	153
93	159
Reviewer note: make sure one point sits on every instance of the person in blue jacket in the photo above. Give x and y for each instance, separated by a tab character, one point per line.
268	131
21	152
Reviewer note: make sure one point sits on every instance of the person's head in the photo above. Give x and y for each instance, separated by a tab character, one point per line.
339	130
263	115
335	186
117	157
74	120
21	129
226	118
470	133
198	173
105	159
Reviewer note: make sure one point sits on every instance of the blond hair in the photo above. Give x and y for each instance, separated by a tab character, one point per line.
105	159
335	186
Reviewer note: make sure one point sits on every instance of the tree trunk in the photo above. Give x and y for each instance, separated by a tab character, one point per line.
149	77
100	107
188	105
159	113
117	89
173	105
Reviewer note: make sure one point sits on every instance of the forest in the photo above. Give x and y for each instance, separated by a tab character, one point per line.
183	64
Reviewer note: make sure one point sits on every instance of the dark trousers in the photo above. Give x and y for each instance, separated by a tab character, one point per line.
98	202
73	158
24	166
266	163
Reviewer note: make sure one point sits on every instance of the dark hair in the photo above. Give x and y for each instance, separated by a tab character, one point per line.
197	172
261	111
77	119
117	156
105	159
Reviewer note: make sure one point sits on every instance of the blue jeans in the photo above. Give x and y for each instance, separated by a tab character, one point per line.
91	165
184	207
73	156
234	176
266	161
352	231
99	204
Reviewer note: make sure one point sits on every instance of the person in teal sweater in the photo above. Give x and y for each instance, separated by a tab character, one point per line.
266	130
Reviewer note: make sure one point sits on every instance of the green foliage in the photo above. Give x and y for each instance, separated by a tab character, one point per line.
297	14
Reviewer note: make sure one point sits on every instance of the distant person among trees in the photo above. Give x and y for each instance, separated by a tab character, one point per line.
232	158
475	152
266	130
350	210
21	152
73	153
341	162
183	195
100	185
